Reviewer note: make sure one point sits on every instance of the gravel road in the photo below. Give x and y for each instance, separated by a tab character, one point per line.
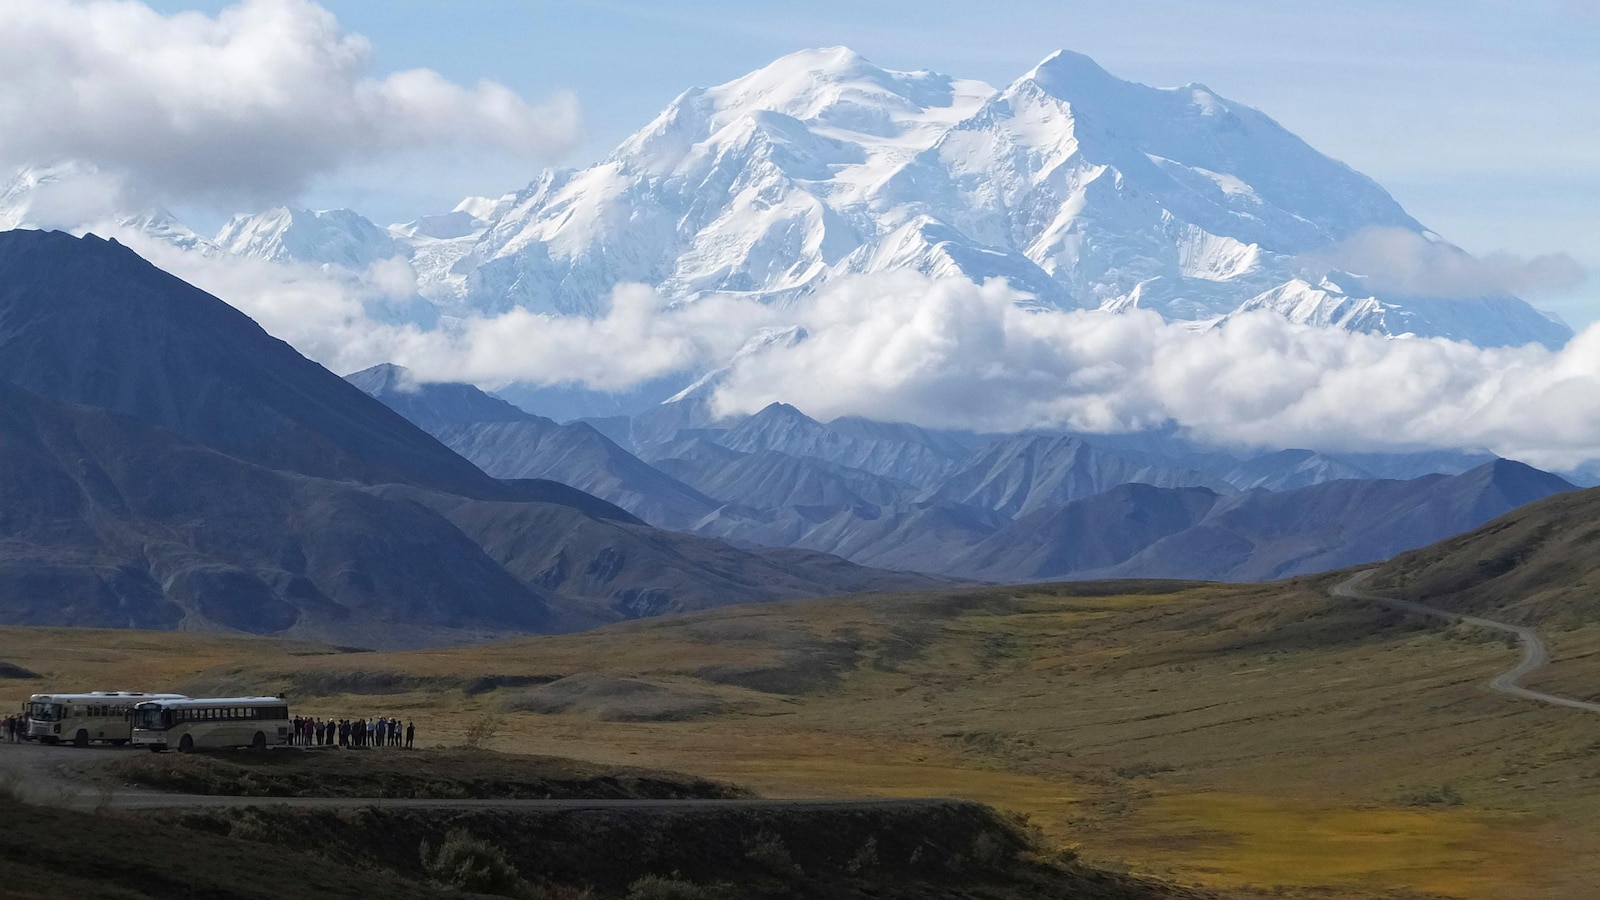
1534	653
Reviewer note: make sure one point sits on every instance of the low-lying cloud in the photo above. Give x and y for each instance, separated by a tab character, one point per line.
946	353
1397	261
254	102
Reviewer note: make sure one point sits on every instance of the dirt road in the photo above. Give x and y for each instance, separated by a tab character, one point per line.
1534	652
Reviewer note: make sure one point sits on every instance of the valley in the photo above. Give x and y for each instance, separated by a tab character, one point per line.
1249	739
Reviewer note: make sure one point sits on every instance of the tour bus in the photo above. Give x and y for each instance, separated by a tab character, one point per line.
81	718
214	723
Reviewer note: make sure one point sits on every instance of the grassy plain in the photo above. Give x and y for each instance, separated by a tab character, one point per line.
1254	739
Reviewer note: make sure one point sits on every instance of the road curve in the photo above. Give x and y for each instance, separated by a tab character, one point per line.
1534	652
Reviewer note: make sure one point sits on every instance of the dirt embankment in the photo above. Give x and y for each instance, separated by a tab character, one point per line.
950	850
422	774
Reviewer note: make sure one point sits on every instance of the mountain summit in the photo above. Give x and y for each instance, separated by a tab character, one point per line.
1080	188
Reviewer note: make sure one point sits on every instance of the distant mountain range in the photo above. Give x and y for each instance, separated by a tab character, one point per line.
998	508
1077	187
166	463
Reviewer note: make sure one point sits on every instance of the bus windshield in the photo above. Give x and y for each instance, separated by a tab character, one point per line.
46	712
152	719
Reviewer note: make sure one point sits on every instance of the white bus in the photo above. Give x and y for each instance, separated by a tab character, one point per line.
81	718
213	723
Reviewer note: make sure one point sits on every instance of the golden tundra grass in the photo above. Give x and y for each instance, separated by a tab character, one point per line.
1247	738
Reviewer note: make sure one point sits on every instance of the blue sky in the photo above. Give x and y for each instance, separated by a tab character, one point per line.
1479	116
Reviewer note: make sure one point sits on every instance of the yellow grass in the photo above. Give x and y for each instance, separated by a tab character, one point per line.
1248	739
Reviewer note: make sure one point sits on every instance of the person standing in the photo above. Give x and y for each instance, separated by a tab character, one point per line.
411	733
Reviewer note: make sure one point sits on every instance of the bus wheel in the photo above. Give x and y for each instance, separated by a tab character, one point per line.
186	745
259	742
81	739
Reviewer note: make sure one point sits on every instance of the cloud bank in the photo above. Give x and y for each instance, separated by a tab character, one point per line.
947	353
253	102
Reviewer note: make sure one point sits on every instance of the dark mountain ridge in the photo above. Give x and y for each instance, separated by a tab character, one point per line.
87	321
166	463
509	443
1032	506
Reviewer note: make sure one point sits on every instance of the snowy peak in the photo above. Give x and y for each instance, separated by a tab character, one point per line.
338	237
1065	74
837	87
1078	188
78	197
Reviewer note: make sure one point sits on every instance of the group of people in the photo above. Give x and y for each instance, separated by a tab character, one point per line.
383	731
13	729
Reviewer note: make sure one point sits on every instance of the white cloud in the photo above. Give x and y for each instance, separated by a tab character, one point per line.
340	318
1399	261
946	353
951	354
253	102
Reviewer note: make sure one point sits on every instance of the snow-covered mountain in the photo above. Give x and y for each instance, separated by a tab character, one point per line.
1077	187
339	237
75	195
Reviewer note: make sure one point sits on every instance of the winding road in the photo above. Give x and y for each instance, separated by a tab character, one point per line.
1534	652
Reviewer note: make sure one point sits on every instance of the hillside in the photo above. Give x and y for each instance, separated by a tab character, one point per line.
111	522
87	321
1539	563
166	463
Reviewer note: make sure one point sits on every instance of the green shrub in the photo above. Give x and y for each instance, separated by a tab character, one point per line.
482	732
769	850
865	859
469	863
656	887
990	852
1443	795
